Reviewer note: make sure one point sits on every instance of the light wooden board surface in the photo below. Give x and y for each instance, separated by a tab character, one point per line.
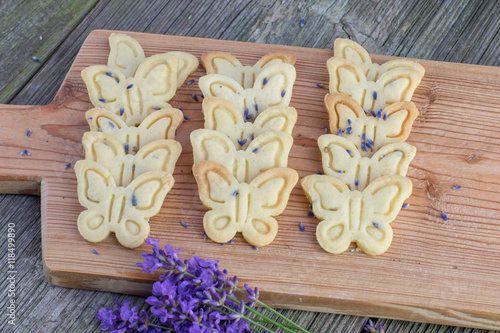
443	272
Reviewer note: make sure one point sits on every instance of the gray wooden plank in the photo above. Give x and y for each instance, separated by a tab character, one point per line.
464	31
41	31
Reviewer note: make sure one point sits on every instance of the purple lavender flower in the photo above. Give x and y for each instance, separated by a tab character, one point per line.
370	327
193	296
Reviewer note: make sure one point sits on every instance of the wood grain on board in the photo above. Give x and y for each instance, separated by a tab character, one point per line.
435	271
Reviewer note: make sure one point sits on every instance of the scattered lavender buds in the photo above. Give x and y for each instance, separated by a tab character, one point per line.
319	172
28	133
36	59
190	82
456	187
94	251
405	205
67	166
102	100
283	92
242	142
195	97
375	95
370	327
302	23
184	224
264	81
255	150
255	248
134	200
186	118
130	86
444	216
302	227
25	152
320	85
122	109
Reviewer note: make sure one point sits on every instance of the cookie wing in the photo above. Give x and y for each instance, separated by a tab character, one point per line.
103	120
94	185
160	124
340	158
268	197
143	198
330	199
382	199
187	64
156	77
105	87
391	159
160	155
125	54
209	145
218	191
352	51
396	127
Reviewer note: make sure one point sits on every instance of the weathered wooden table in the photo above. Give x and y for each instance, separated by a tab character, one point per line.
54	30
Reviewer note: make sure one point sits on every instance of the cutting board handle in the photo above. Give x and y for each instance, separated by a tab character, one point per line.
36	142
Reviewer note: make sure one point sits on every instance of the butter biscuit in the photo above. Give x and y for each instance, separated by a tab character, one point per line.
159	125
242	207
159	155
373	86
369	131
228	65
352	216
122	210
223	116
267	151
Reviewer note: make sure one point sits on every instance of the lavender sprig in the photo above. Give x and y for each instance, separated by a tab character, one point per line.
192	296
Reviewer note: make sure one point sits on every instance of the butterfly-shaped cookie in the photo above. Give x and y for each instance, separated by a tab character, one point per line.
158	125
228	65
372	86
242	207
267	151
341	159
160	155
223	116
373	129
122	210
272	87
152	86
126	54
353	216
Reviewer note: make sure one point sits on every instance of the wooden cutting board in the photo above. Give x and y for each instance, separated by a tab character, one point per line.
437	271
